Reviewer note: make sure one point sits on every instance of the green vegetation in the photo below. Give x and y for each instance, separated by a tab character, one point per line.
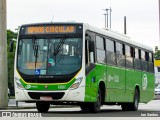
157	55
10	36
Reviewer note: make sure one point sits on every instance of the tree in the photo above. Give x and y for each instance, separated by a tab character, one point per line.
157	55
11	35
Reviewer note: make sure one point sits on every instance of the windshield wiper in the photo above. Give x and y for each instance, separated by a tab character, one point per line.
59	46
35	48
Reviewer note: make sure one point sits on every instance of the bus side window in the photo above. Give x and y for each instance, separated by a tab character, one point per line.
132	52
110	52
137	61
129	58
139	52
120	58
144	62
151	68
123	49
147	56
100	49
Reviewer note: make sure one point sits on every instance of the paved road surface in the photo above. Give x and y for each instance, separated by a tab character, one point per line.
146	111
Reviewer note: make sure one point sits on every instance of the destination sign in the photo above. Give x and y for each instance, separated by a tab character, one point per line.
53	29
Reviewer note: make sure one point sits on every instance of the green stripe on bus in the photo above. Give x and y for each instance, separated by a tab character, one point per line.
47	86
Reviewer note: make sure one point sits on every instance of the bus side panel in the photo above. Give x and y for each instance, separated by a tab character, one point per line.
150	87
88	87
115	84
147	89
92	81
132	79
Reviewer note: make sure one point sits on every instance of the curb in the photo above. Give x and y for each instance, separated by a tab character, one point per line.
34	107
13	108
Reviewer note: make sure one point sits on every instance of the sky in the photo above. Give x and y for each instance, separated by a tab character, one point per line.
142	15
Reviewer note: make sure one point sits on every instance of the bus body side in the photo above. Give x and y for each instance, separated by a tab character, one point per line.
120	83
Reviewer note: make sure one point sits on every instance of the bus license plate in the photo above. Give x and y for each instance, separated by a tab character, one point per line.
46	98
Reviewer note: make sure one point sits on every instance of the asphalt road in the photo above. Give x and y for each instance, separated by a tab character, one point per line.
151	109
146	111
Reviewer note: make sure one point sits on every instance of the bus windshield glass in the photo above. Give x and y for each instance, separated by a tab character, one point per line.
54	56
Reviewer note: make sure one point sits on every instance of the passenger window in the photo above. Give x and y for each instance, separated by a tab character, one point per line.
110	52
120	55
101	55
146	56
151	66
142	55
136	53
127	51
119	48
99	43
137	61
110	45
129	58
144	61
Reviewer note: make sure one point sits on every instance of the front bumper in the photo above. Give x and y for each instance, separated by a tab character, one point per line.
76	95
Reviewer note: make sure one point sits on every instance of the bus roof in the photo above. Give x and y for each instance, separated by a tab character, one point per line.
106	32
117	36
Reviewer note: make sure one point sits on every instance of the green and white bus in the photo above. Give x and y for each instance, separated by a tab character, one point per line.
76	63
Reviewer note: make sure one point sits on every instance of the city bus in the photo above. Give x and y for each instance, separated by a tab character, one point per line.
79	64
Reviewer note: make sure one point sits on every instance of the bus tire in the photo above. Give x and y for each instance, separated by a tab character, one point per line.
132	106
96	106
84	107
42	107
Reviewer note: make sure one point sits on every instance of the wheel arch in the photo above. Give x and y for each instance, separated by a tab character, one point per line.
102	88
138	88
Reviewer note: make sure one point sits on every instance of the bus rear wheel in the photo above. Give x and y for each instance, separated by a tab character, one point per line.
42	107
134	105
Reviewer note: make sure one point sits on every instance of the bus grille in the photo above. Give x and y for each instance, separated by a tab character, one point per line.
35	79
37	95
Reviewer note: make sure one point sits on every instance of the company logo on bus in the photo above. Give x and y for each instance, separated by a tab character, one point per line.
28	86
45	86
144	81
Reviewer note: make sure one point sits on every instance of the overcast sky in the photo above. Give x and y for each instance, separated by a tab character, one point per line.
142	15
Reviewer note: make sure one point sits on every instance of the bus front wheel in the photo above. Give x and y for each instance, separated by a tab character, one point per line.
96	106
42	107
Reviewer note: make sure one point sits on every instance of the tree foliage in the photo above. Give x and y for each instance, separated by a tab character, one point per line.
157	55
10	36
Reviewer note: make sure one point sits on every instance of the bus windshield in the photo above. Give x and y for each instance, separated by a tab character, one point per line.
54	56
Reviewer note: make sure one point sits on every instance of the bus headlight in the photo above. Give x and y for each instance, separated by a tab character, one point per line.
18	83
76	83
